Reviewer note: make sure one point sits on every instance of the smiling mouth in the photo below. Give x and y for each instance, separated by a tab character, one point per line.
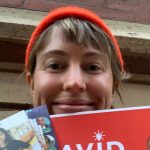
69	106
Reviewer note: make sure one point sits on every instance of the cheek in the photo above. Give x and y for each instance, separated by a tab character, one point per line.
102	88
45	85
103	85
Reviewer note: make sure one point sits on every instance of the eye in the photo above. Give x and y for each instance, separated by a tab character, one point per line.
56	66
93	68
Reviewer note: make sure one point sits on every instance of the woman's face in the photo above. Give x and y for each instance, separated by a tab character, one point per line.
70	78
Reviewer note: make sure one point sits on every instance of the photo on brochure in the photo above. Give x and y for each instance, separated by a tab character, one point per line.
40	118
39	133
17	133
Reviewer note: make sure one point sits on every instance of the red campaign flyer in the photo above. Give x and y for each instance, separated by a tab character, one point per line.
115	129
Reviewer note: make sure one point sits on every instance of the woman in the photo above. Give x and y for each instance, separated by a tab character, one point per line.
7	143
73	62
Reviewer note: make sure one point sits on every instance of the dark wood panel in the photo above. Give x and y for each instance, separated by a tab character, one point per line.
15	53
137	65
11	52
14	106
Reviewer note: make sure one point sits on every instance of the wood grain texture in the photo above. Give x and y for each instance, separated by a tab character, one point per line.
14	89
125	10
4	114
16	26
12	3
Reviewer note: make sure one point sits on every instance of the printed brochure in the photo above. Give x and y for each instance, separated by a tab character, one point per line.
113	129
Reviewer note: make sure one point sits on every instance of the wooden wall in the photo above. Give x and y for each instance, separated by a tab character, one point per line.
126	10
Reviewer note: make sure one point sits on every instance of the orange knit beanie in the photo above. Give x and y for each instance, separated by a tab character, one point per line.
71	11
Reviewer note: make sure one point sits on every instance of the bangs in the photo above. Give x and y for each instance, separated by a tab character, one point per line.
84	33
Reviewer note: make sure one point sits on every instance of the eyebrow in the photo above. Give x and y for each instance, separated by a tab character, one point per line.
94	54
54	52
60	53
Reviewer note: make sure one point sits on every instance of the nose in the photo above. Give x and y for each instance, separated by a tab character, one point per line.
75	80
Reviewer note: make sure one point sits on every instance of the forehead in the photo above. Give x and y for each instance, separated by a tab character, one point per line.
57	41
59	48
40	119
